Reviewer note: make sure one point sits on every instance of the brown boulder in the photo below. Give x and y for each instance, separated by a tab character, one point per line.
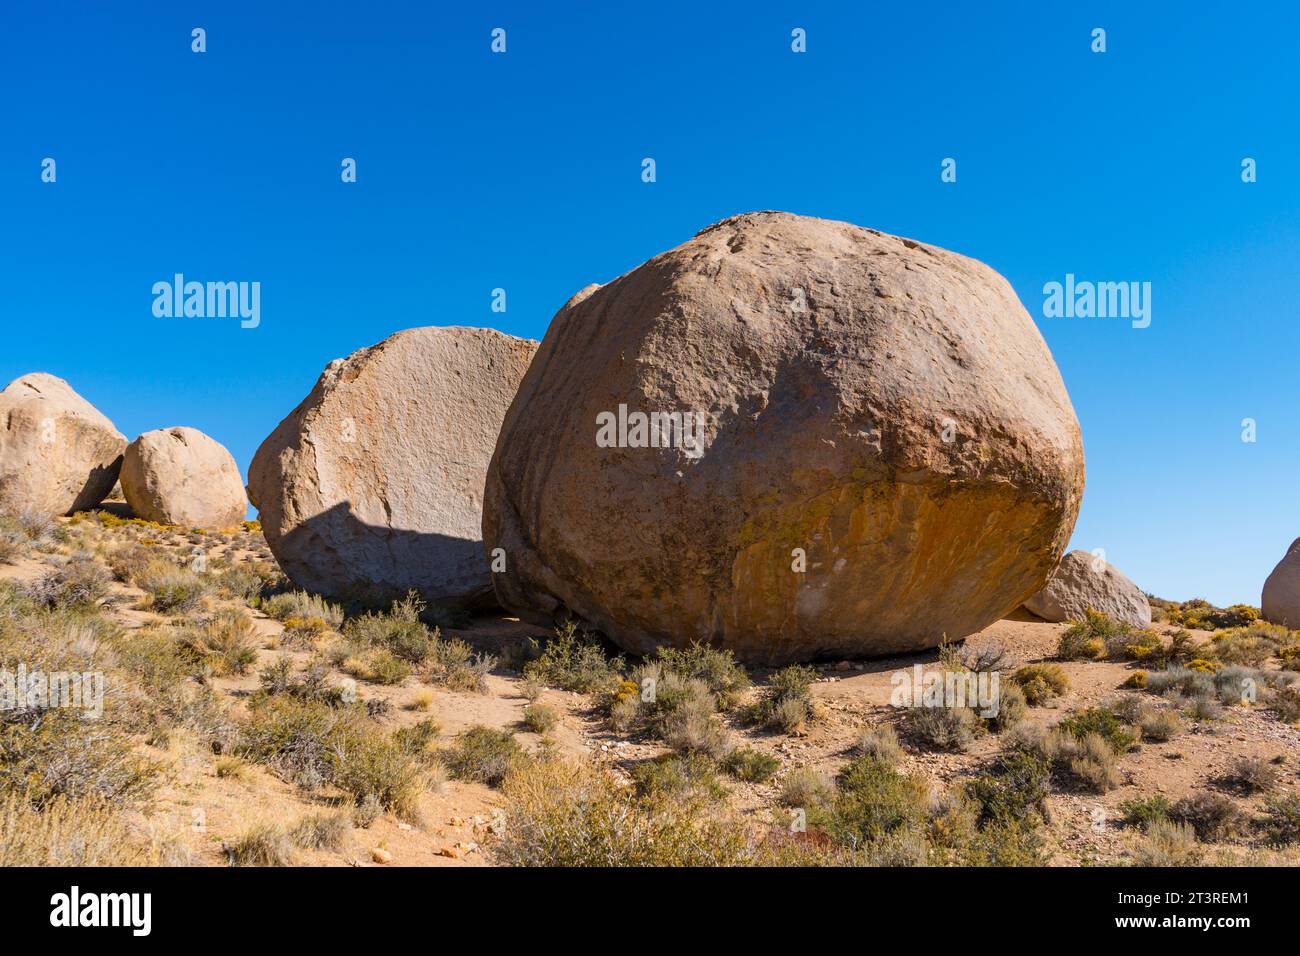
374	484
888	453
58	453
181	476
1280	602
1083	581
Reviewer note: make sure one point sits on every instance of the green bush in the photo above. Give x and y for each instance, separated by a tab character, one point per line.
1282	817
1041	682
1089	639
1103	722
575	661
483	755
1141	812
752	766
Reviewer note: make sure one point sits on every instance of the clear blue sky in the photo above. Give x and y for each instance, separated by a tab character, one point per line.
522	171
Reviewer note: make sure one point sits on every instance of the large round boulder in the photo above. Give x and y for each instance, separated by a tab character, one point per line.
1280	602
58	453
1084	581
374	484
872	448
181	476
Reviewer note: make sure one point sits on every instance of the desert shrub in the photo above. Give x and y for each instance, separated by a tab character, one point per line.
1088	639
677	775
567	814
298	738
1160	725
421	700
718	669
1087	761
1041	682
1094	764
1282	818
154	657
786	702
1011	705
541	718
130	562
78	585
68	832
243	583
54	753
881	743
984	659
1246	646
1203	706
231	768
1103	722
380	666
222	645
172	589
400	632
261	845
678	709
456	666
1168	843
301	604
1141	645
1212	815
12	546
574	660
370	765
1017	784
752	766
1142	812
1006	843
804	787
303	631
878	811
690	725
321	831
418	738
483	755
1285	703
942	728
1136	681
1181	679
1251	775
1204	616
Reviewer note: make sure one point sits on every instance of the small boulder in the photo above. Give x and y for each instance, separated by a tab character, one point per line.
180	476
58	453
373	485
1280	602
1082	581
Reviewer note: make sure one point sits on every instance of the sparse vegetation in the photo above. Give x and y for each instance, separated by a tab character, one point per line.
574	660
482	754
1041	683
1090	638
751	766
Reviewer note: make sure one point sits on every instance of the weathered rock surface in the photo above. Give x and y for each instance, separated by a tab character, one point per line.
58	453
1280	602
181	476
374	484
1084	581
880	413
